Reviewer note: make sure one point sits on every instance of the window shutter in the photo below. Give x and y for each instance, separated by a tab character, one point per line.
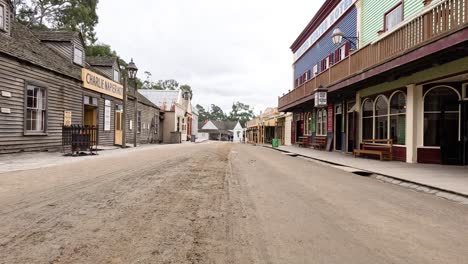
332	59
348	48
338	55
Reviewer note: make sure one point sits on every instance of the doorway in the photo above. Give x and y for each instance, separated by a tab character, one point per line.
450	131
90	115
118	128
465	128
339	127
351	126
299	129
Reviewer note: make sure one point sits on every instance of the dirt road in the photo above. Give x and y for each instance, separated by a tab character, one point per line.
220	203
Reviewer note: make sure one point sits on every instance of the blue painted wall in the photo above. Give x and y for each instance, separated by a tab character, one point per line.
324	47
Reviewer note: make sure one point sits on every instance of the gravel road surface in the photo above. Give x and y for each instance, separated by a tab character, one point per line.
220	203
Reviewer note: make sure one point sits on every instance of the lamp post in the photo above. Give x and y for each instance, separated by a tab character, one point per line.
338	36
132	73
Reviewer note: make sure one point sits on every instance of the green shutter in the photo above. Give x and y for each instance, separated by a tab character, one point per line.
313	123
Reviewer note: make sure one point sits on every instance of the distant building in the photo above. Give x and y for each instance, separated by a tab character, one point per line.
221	131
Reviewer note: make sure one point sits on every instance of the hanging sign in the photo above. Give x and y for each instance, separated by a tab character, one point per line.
327	23
320	99
101	84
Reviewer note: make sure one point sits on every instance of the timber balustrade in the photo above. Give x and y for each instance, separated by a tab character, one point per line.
445	16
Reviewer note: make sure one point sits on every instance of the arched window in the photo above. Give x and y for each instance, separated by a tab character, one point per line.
367	119
322	122
398	118
440	103
381	118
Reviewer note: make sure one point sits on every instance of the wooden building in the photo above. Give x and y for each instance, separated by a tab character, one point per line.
393	71
37	87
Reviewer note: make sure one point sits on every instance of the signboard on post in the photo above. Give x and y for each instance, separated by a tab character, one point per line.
67	118
320	99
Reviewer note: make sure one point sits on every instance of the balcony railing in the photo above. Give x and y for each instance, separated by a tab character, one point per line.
443	17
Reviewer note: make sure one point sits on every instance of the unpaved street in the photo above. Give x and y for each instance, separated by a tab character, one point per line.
220	203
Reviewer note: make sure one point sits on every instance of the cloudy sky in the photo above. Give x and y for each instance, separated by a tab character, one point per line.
226	50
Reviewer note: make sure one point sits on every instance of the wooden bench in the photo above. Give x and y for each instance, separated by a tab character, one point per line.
319	143
303	142
383	148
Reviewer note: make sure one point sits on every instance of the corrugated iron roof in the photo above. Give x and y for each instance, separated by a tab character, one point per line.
164	99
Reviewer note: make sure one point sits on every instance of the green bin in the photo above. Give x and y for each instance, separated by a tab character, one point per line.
275	143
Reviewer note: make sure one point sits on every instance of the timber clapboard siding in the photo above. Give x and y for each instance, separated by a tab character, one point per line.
373	12
150	115
63	94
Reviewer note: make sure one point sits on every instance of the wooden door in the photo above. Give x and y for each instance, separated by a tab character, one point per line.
118	128
450	142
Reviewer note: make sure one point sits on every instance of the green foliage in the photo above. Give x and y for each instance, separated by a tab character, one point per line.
75	15
100	50
203	115
241	112
217	114
185	88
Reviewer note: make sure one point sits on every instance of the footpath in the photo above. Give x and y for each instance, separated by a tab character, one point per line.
451	179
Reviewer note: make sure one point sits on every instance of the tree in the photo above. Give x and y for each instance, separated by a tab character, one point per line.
203	115
217	114
167	85
100	50
187	89
75	15
241	112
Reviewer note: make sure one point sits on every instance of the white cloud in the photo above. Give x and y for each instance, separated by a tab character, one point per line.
226	50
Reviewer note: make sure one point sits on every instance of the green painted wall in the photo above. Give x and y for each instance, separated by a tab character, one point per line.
373	11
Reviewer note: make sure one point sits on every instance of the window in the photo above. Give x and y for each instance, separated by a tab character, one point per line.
139	121
314	70
36	109
78	56
322	122
367	119
393	17
381	118
308	124
2	17
398	118
439	103
116	76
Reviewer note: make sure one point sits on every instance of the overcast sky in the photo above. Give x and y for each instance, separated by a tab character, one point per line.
226	50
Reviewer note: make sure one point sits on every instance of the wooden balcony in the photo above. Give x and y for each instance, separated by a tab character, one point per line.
435	22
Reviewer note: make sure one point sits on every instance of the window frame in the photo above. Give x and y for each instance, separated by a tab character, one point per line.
321	125
3	26
25	106
116	78
75	48
401	3
139	124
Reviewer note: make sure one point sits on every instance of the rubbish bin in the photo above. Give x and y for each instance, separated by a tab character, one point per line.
275	143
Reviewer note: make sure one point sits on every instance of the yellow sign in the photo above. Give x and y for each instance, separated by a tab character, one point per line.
101	84
67	118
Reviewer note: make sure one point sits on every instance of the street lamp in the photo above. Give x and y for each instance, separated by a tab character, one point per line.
338	36
132	73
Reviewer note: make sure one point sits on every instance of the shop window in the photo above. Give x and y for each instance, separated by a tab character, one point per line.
434	102
36	109
139	122
381	118
2	17
78	56
368	119
308	124
398	118
322	122
393	17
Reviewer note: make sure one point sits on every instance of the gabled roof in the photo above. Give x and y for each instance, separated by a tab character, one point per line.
25	46
225	125
58	36
101	61
164	99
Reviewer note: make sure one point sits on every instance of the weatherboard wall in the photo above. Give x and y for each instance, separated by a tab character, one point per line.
325	46
373	13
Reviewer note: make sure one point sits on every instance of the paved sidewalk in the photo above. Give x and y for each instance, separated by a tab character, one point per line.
449	178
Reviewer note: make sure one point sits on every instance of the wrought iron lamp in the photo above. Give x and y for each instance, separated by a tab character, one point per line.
338	36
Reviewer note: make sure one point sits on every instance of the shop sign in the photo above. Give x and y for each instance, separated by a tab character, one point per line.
101	84
327	23
67	118
330	119
107	115
320	99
